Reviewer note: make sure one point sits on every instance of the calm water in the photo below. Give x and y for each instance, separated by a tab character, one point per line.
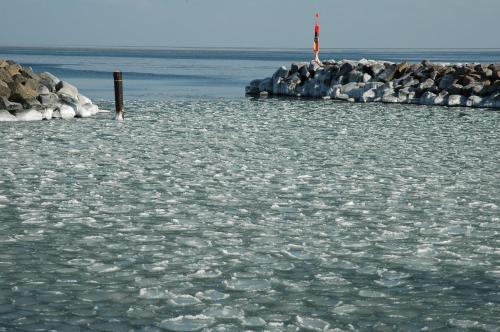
230	213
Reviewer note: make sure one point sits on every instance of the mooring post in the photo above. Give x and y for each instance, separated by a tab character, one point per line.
118	95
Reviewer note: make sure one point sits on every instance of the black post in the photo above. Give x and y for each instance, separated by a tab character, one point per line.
118	94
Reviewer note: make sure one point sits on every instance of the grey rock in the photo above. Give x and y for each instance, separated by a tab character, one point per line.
456	100
42	90
388	74
266	85
304	73
375	69
428	98
313	67
67	92
5	104
282	72
295	68
441	98
22	93
455	89
368	96
474	101
425	85
49	100
346	88
355	76
366	78
446	81
49	80
253	87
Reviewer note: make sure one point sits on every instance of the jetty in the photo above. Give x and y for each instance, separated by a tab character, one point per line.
29	96
425	83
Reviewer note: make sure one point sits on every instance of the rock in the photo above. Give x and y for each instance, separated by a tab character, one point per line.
446	81
375	69
391	99
67	92
313	67
49	80
304	73
50	100
42	90
5	76
295	68
367	96
366	78
81	111
282	72
344	69
3	63
47	113
253	88
355	76
22	94
266	85
29	74
5	104
28	115
5	116
13	69
346	88
455	89
64	112
466	80
264	94
388	74
441	98
32	103
4	90
403	68
456	100
474	101
428	98
425	85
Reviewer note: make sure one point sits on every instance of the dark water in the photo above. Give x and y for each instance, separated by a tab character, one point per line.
226	213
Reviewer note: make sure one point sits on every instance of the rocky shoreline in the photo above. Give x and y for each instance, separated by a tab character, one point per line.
29	96
425	83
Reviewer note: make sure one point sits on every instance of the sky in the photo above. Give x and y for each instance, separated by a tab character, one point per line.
251	23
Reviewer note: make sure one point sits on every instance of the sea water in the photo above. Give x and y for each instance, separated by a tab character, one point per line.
226	213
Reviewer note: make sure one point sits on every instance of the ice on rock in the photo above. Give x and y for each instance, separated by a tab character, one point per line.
312	324
5	116
29	115
64	112
187	323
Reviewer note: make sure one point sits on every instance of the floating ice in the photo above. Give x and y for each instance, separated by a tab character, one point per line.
253	322
153	293
183	300
247	285
370	293
344	309
312	324
187	323
212	295
220	312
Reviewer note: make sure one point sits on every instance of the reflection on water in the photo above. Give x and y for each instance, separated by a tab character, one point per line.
235	214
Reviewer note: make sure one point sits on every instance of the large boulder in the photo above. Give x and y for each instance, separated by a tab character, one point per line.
48	100
8	105
266	85
64	112
375	69
388	74
13	69
253	87
455	89
282	72
49	80
22	93
457	100
5	76
4	90
446	81
67	92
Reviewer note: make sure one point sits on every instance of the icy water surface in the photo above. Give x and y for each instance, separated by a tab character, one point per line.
241	214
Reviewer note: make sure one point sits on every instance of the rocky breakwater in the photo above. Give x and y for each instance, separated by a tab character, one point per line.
467	85
29	96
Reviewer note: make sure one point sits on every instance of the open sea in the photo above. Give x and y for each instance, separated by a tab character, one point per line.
206	210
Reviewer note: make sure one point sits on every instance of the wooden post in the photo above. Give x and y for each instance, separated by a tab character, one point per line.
118	95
